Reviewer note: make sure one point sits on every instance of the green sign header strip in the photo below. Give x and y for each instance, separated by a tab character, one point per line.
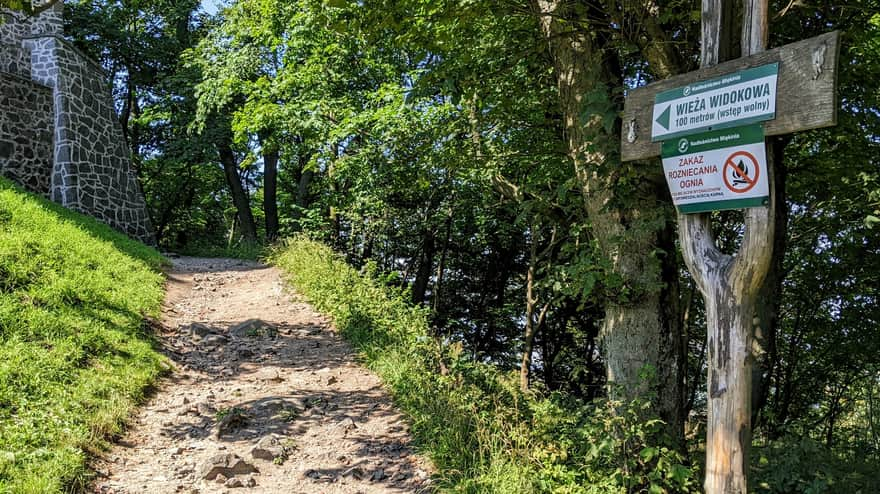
719	82
705	207
716	139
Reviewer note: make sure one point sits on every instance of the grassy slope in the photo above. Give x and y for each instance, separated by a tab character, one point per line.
74	353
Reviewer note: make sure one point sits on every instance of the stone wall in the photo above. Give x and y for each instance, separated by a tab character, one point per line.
13	58
56	107
26	120
93	172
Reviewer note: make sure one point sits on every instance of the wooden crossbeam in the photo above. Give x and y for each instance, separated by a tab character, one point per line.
806	92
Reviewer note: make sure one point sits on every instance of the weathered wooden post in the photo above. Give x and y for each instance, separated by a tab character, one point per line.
729	285
708	169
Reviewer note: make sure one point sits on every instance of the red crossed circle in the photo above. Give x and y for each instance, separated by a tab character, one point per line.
730	163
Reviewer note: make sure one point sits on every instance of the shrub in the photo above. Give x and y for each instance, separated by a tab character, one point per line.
802	465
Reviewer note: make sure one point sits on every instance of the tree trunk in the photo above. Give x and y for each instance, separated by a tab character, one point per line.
530	326
426	261
270	187
333	186
641	331
239	197
730	286
441	265
301	200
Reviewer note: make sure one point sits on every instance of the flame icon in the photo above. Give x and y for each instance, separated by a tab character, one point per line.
740	173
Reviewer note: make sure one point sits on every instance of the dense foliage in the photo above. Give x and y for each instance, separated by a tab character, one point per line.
441	143
481	431
75	355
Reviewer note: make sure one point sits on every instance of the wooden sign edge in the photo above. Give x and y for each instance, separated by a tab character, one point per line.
643	150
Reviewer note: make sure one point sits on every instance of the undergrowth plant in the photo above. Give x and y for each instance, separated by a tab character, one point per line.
481	432
75	353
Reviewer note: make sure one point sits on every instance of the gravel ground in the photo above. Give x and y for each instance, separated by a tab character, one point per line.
265	398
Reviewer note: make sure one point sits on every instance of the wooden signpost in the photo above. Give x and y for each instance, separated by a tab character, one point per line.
806	92
805	97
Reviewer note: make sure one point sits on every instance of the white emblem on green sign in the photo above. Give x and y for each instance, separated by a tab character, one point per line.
722	169
736	99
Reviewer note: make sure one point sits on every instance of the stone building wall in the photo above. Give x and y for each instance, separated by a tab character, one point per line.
26	120
91	169
14	60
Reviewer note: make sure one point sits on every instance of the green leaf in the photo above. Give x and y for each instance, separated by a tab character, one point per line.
647	454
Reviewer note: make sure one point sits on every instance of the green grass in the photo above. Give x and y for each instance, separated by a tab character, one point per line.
75	355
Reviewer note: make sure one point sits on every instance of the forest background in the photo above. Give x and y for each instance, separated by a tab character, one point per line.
467	152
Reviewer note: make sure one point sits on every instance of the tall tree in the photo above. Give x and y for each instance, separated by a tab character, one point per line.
624	202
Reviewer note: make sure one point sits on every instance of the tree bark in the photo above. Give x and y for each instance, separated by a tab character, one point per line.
426	261
641	331
270	187
533	324
441	265
730	285
239	197
301	199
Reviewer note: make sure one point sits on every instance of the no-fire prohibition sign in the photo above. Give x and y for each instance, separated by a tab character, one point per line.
741	171
711	171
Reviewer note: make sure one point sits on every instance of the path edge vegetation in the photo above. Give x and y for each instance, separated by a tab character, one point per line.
77	353
482	433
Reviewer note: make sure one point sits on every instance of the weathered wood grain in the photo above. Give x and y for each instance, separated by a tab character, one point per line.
730	286
805	100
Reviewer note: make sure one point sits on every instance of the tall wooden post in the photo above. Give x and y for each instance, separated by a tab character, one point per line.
729	285
807	99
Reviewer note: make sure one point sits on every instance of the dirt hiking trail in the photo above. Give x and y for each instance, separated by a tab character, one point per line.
265	398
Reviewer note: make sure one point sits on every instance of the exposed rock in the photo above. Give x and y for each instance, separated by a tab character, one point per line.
253	328
273	406
232	420
214	340
234	482
198	330
268	448
348	424
226	464
356	472
205	409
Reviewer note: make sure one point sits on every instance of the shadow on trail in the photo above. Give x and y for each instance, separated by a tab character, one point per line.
212	265
225	349
261	352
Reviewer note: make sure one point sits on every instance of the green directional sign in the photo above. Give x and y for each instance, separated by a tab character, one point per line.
732	100
663	119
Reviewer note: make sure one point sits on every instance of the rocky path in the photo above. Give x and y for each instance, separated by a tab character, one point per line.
265	398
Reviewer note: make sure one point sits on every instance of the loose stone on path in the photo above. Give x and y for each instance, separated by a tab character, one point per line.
265	398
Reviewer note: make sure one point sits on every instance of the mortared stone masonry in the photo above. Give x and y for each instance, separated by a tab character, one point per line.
59	133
